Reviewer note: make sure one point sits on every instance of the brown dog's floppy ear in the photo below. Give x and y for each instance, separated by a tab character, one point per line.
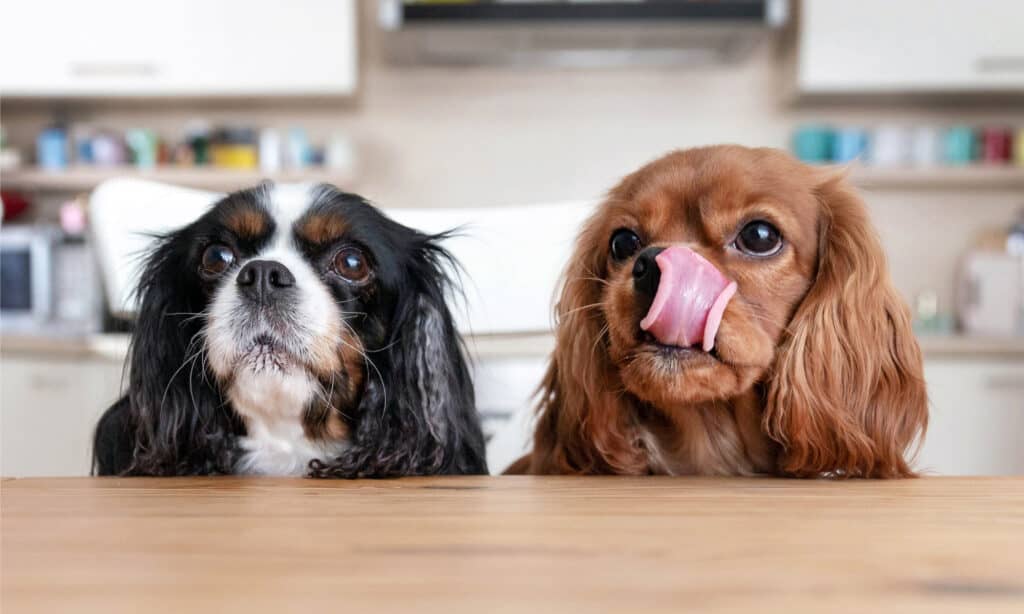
847	395
583	425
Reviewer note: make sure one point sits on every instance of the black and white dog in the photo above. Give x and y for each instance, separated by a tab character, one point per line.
294	330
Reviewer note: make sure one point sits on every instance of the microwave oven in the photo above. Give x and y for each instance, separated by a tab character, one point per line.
48	285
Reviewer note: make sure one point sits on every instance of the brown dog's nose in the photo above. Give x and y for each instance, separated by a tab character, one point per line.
260	279
646	273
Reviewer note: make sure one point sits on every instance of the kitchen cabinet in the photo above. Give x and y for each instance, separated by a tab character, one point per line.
49	406
876	46
977	417
192	48
506	387
51	398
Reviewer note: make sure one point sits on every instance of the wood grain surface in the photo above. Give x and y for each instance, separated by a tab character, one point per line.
512	544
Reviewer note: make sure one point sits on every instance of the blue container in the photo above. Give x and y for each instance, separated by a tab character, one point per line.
958	146
52	149
144	145
813	143
83	150
849	144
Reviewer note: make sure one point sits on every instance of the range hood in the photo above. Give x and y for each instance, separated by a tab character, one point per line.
577	33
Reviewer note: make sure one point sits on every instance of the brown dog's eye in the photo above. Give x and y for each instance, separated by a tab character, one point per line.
217	258
351	264
624	244
759	239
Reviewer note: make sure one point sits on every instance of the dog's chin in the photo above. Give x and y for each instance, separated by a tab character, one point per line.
262	354
266	354
665	375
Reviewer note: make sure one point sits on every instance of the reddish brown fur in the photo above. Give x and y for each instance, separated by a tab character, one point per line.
323	420
247	222
321	228
818	371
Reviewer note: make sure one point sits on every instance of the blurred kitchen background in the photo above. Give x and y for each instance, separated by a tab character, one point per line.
518	115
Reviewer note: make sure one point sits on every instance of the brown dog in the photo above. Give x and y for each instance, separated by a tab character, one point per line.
728	311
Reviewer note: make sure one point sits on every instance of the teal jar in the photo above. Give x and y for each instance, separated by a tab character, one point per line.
958	146
812	143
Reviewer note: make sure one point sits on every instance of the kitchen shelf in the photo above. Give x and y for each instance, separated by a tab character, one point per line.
85	178
955	346
939	178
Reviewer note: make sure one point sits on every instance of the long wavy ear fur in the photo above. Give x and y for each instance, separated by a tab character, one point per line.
847	395
172	421
583	423
417	415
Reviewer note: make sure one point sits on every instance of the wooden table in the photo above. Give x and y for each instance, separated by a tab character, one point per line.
512	544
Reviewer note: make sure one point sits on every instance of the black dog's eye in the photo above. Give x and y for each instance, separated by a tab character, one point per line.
351	264
624	244
759	238
217	258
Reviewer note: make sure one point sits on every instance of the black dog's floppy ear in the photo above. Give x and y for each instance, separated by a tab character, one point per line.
417	415
172	420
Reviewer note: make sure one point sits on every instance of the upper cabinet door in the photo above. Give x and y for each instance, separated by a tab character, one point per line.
192	48
888	46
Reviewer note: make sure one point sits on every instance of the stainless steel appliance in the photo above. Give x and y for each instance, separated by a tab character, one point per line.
991	293
48	283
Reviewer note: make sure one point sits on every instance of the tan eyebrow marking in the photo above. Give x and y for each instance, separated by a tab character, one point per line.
321	228
247	222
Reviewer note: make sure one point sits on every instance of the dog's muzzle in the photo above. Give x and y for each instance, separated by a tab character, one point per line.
690	296
263	281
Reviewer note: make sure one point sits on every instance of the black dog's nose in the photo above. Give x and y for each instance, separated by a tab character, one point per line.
259	279
646	273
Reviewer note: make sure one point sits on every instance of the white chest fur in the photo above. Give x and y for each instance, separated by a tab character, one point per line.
272	406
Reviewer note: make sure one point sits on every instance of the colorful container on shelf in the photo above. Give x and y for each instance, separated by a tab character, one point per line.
228	155
813	143
229	147
235	147
144	145
52	148
849	144
891	146
996	145
926	146
919	146
1018	147
958	146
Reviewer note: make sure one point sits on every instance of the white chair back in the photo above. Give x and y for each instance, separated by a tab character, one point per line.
512	256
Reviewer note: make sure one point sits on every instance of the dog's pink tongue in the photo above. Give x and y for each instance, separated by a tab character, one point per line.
691	298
